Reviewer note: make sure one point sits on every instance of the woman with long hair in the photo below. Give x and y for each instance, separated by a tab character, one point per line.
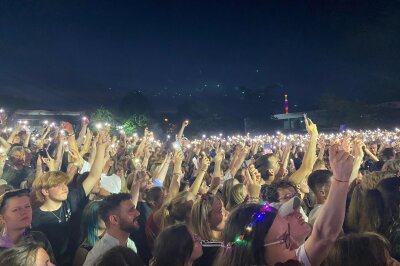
25	254
266	235
367	249
177	245
208	218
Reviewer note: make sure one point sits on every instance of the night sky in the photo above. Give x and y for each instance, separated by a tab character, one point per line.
71	53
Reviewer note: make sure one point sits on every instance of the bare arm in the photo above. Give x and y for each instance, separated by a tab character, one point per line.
4	143
180	133
309	156
27	138
329	223
194	188
82	133
97	167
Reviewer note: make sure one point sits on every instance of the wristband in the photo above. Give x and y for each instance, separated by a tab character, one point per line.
70	135
340	181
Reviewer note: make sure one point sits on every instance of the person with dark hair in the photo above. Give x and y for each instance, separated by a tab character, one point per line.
25	254
15	171
387	154
176	246
120	216
16	214
266	235
319	182
381	212
281	192
120	256
268	166
367	249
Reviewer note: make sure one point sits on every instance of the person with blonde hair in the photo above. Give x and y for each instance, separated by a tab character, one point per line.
58	203
237	196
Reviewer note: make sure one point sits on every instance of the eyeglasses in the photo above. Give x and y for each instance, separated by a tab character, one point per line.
285	239
12	193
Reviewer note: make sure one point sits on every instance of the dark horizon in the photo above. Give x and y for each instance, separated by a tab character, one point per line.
68	54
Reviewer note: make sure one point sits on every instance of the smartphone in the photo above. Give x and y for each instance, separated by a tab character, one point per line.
43	153
213	153
245	164
267	148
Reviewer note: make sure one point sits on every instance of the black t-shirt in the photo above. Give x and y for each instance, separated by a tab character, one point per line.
139	236
14	177
57	225
208	257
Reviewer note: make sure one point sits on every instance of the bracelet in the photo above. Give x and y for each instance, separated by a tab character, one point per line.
70	135
253	199
340	181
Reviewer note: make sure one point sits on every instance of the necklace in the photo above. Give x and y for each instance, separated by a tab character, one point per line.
58	218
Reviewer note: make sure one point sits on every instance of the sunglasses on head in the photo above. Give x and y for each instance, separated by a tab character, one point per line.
12	193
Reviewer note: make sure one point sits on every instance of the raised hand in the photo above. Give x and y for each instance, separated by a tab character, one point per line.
311	127
49	162
205	163
252	177
341	163
185	123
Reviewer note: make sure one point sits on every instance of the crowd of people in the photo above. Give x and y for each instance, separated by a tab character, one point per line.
83	196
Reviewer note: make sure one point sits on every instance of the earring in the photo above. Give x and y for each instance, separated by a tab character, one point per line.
4	232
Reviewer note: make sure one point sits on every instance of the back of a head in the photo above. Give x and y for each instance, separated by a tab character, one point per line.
226	190
263	164
153	195
371	180
388	154
111	204
250	249
173	246
366	249
389	189
177	210
392	166
23	254
318	178
120	256
237	195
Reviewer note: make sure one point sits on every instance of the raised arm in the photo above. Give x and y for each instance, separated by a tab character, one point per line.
309	156
85	123
162	173
27	138
180	133
194	188
97	167
4	143
329	223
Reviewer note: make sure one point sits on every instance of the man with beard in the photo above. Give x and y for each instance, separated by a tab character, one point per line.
121	218
16	171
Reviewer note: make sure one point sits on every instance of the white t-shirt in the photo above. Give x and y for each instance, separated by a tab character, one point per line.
111	183
302	257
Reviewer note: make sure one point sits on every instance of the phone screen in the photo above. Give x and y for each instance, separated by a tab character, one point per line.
213	153
267	148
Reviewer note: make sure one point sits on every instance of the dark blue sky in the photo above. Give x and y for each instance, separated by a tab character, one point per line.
72	52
